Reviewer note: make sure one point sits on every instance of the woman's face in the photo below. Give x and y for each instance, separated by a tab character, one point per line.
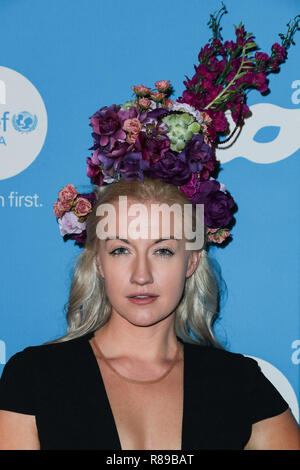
144	266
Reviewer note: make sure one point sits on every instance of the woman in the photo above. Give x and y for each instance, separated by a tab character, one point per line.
128	375
140	367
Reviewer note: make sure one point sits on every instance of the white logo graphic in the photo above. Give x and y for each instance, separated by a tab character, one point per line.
264	115
2	352
281	383
23	123
296	354
296	94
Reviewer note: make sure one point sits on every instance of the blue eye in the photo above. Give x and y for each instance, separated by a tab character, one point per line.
113	253
166	251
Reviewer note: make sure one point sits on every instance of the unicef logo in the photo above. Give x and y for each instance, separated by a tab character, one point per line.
24	122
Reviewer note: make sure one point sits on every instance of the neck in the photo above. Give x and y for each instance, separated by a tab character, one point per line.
154	343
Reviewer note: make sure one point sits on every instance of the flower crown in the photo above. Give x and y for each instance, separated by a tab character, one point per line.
153	136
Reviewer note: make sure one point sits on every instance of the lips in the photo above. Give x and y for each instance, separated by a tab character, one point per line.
145	294
143	301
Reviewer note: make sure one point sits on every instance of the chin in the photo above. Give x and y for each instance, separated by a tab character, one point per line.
143	318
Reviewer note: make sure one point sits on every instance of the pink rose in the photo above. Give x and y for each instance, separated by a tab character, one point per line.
144	103
68	193
206	117
163	85
131	138
60	208
141	90
219	237
156	96
132	125
82	207
169	103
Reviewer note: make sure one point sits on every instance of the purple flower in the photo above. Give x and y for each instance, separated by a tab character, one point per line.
203	71
69	224
192	186
196	152
262	56
132	166
157	113
119	149
91	197
172	169
230	46
79	238
152	148
108	124
218	206
280	51
261	82
94	172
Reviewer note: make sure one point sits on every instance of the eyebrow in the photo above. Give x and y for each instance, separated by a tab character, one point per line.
126	241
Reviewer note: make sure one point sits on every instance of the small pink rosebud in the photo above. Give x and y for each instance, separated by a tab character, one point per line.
162	85
141	90
206	117
156	96
131	138
144	103
132	125
169	103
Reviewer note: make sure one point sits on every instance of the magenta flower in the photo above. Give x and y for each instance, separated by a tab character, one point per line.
280	51
152	149
192	186
261	82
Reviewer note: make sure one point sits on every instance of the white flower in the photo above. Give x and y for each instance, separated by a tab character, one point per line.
69	224
188	109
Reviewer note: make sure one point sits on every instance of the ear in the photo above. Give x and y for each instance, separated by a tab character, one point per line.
99	266
193	262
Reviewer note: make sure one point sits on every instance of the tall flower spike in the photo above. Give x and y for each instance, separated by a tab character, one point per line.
151	136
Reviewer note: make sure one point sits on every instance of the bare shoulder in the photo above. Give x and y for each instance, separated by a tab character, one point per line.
280	432
18	431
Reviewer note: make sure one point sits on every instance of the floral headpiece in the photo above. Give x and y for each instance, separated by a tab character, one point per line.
154	136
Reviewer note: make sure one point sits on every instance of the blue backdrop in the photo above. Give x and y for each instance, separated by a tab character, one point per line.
60	62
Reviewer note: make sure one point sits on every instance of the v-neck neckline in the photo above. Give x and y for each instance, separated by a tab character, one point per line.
116	437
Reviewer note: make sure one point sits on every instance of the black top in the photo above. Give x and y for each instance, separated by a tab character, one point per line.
61	384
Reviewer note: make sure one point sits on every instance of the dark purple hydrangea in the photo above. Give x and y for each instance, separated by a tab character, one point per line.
218	206
152	148
157	114
196	152
172	169
80	238
132	166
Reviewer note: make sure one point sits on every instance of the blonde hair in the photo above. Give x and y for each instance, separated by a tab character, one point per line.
88	307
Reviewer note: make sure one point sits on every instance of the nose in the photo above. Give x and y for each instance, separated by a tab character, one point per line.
141	271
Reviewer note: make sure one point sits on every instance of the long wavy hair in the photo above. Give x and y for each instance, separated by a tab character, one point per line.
88	307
